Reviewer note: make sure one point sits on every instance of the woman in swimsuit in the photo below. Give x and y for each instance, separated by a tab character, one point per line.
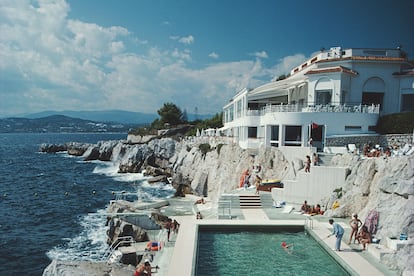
355	224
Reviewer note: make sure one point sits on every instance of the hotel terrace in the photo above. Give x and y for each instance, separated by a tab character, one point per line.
339	92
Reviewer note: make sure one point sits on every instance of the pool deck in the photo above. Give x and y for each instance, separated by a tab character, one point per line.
179	255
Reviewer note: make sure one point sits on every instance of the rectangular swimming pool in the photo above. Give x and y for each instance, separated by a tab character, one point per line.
257	250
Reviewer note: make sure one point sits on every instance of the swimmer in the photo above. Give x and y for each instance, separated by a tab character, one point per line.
287	247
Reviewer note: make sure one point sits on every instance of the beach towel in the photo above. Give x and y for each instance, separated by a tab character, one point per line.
371	222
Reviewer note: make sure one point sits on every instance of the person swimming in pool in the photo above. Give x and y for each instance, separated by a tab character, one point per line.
287	247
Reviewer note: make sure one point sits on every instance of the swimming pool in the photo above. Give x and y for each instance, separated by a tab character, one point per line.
253	250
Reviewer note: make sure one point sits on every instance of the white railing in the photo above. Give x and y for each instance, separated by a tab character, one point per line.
314	108
120	241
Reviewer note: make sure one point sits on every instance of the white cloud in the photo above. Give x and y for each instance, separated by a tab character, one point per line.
51	62
213	55
186	40
182	55
261	54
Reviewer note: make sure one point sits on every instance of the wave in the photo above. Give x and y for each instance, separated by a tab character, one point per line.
89	245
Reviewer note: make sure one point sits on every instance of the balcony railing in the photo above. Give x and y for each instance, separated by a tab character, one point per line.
344	108
314	108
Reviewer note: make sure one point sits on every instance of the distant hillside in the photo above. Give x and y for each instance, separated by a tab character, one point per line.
60	123
118	116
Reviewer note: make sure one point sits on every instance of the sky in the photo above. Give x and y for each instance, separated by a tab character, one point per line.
136	55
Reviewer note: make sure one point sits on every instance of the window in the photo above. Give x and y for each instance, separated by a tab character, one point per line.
252	132
323	97
293	136
369	98
407	102
239	108
274	133
231	113
353	128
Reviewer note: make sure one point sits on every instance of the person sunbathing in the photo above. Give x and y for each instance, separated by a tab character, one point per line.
364	237
316	210
305	207
200	201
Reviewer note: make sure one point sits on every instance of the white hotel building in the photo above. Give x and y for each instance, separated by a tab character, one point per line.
342	92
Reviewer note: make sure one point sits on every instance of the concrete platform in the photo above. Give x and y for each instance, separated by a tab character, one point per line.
179	255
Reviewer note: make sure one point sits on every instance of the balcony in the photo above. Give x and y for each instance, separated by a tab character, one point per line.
314	108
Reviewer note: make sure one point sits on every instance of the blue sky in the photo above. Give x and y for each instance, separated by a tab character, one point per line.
136	55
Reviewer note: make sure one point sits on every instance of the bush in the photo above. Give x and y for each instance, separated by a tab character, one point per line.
204	148
397	123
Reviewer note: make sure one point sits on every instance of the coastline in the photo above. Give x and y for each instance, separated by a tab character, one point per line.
170	259
209	174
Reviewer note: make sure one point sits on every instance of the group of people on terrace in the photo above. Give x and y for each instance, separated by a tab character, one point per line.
314	161
172	226
311	210
376	151
363	236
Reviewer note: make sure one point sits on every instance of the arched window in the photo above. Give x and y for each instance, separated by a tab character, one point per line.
373	91
323	91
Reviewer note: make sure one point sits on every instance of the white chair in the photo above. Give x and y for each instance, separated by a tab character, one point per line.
351	147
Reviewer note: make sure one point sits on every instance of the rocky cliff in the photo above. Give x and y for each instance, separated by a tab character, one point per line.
209	168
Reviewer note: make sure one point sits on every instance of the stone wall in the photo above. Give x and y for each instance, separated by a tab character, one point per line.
389	140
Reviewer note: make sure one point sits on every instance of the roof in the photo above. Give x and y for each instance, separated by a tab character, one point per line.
405	73
331	70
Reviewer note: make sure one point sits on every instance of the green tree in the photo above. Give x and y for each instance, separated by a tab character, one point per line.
170	114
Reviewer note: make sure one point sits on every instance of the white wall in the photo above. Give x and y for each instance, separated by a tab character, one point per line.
313	186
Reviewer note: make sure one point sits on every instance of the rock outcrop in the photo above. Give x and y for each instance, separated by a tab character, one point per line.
206	167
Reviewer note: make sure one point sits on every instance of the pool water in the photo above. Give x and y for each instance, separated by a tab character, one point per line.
259	252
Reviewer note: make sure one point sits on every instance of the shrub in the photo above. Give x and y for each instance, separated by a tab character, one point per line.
204	148
338	192
396	123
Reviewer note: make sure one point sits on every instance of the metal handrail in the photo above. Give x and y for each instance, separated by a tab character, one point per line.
115	244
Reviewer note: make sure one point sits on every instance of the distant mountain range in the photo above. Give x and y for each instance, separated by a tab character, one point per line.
80	121
114	116
60	124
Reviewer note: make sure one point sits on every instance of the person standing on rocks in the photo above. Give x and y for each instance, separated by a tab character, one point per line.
355	224
338	231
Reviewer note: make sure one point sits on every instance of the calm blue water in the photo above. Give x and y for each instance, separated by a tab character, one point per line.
261	253
53	205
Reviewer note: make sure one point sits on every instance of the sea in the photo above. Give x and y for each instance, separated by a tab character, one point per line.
53	206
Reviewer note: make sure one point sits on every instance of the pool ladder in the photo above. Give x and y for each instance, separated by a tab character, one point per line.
309	222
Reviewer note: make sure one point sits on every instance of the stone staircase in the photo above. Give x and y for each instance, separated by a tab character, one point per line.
250	201
266	199
325	158
389	246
